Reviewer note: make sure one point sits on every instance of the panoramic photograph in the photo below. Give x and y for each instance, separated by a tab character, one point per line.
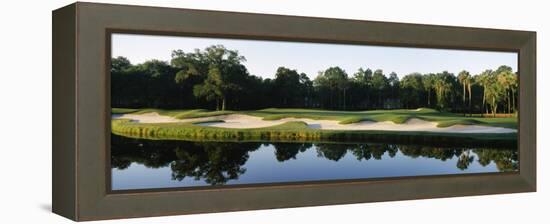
203	112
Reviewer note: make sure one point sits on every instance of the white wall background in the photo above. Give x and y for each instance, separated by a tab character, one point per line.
25	99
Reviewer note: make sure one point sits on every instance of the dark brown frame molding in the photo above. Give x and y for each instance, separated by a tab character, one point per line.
81	110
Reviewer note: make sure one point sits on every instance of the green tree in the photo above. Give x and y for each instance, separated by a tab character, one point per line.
469	82
223	76
211	88
362	83
495	92
514	85
428	81
192	69
443	86
380	84
464	79
288	84
484	80
411	90
335	80
508	81
216	78
307	90
120	64
393	82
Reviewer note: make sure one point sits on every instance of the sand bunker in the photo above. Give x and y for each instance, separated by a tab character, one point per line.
153	117
247	121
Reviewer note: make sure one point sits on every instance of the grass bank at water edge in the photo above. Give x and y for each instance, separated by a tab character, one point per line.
295	131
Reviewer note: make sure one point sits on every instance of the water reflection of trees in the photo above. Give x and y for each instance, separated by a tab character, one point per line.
215	163
218	162
365	151
505	160
285	151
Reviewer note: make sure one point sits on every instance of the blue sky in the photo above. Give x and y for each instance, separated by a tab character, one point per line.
264	57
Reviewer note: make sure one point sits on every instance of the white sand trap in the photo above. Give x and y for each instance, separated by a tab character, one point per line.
247	121
152	117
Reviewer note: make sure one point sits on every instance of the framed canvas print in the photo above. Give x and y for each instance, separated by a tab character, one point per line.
202	111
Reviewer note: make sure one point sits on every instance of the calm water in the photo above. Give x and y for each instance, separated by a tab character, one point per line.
146	164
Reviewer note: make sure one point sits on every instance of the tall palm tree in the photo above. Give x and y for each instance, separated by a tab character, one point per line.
502	79
469	82
428	83
442	88
508	81
463	78
483	80
495	93
514	87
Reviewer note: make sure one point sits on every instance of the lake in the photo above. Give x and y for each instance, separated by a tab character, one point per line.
151	164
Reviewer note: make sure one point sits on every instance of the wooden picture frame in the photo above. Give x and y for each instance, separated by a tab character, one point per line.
81	110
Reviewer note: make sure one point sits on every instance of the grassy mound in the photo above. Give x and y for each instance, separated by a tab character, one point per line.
123	110
292	131
178	114
449	123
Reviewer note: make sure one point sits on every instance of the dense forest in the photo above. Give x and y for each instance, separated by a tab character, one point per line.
216	78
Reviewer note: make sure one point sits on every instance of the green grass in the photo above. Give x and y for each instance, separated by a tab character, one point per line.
296	131
448	123
299	131
201	113
344	117
397	116
275	117
178	114
123	110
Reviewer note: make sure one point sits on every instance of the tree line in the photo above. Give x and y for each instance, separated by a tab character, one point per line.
216	78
